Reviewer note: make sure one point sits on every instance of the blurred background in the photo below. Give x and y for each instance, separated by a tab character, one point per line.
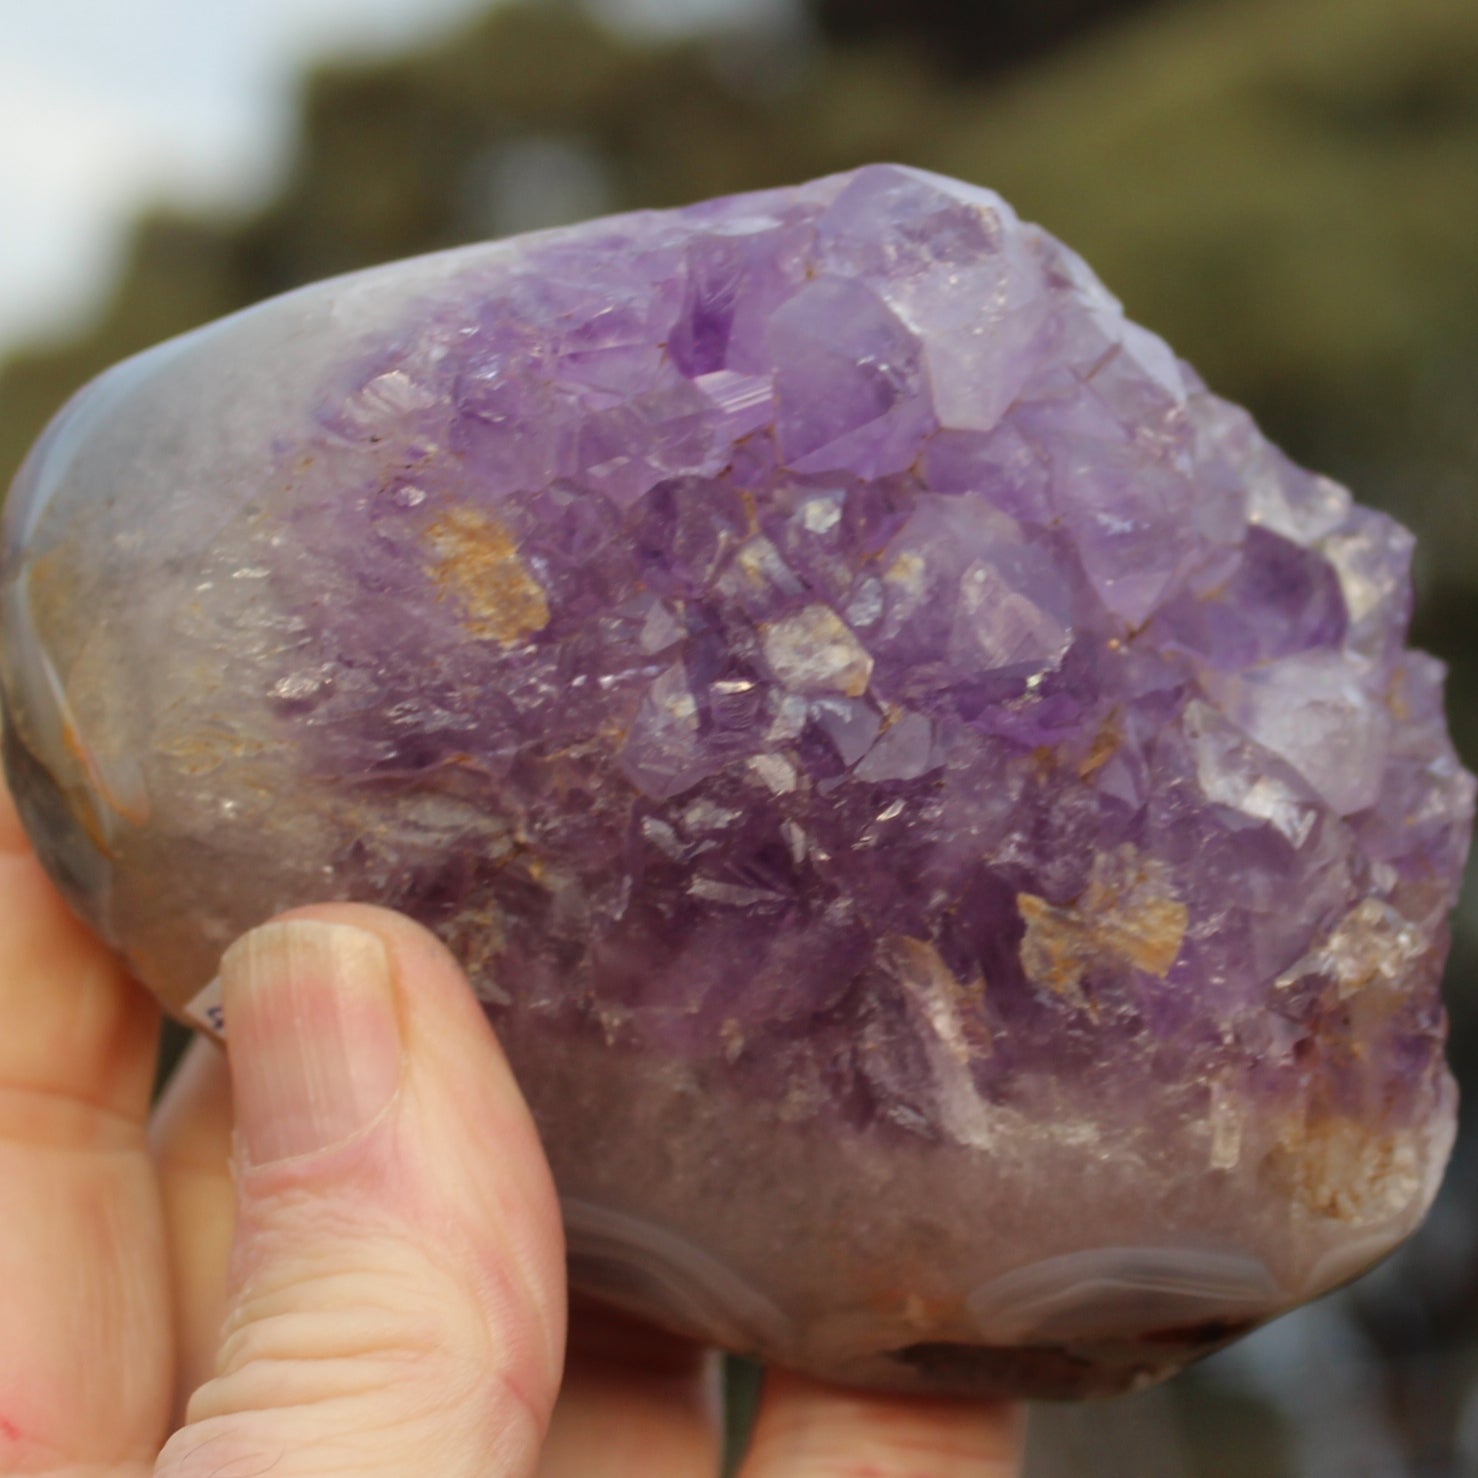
1286	189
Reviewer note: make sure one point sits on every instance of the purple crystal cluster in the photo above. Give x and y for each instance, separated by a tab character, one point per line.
939	808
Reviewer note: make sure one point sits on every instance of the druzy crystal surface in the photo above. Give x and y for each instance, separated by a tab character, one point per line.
937	807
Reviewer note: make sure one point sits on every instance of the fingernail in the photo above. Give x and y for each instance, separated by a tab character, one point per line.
315	1042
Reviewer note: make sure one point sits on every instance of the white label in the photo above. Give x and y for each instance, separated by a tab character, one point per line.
207	1010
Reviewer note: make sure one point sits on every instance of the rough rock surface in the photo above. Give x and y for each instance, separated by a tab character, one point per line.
938	808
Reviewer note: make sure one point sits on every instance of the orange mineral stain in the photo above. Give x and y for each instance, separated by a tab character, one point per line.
1128	916
476	565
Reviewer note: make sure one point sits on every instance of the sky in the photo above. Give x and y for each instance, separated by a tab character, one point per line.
107	106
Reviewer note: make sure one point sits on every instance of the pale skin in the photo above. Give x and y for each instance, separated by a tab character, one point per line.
359	1271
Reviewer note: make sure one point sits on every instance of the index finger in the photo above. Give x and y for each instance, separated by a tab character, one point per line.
806	1429
84	1340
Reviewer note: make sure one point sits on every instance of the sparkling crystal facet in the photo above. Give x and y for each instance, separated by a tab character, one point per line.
938	808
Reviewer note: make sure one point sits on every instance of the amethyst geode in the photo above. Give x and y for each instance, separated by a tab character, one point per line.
938	808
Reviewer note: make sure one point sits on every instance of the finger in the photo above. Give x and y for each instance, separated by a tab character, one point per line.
85	1347
395	1300
191	1139
805	1429
636	1403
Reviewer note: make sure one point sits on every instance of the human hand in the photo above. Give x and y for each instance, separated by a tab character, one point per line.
365	1275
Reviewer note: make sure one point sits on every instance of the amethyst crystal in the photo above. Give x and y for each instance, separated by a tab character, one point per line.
937	807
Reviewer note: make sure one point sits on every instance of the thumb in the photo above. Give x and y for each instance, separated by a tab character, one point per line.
396	1290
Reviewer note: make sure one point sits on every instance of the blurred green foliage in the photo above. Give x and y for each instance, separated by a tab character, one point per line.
970	40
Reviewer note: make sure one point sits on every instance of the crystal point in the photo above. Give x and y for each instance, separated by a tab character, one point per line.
937	808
